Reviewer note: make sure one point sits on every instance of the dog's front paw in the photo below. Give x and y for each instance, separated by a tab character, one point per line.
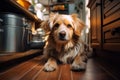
78	66
50	67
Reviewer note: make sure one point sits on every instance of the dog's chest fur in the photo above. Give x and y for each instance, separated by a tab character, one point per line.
64	53
71	52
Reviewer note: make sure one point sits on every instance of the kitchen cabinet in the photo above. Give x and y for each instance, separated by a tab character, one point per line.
96	23
105	24
111	25
60	7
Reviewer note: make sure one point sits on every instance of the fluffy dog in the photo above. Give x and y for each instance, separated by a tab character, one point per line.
64	42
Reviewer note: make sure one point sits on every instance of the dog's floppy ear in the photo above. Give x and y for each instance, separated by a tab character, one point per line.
53	17
45	26
48	24
79	25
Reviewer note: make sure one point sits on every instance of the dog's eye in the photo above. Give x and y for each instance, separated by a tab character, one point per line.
56	25
69	26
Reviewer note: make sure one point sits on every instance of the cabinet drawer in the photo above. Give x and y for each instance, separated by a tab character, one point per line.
110	5
111	11
111	32
111	38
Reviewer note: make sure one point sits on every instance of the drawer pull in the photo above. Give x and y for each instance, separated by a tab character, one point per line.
115	31
110	0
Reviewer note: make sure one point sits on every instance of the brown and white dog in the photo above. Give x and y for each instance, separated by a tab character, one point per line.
64	42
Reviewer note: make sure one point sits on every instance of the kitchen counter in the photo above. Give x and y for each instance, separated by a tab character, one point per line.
12	59
4	57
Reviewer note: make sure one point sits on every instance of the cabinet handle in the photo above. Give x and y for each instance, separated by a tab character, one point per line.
98	4
115	31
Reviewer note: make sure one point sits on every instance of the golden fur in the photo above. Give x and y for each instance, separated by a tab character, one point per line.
64	42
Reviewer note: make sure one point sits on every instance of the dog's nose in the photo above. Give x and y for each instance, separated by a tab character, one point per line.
62	34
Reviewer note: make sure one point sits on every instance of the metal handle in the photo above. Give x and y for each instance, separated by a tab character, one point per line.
1	29
115	31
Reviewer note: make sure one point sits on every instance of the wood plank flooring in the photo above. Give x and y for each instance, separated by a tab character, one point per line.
32	70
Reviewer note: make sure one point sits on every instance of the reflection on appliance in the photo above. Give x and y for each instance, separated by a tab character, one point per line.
38	39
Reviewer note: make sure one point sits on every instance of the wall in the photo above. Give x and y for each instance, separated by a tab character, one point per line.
84	13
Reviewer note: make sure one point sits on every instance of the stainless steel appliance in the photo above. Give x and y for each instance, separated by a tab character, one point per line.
13	34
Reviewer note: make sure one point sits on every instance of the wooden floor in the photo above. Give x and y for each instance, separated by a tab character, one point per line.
32	70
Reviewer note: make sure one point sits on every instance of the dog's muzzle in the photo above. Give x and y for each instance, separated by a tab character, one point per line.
62	35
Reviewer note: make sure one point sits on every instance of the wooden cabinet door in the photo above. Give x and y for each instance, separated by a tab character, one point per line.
95	13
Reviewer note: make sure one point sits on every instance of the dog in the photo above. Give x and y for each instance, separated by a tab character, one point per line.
64	43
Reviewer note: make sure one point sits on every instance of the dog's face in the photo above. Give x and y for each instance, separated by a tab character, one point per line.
64	27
